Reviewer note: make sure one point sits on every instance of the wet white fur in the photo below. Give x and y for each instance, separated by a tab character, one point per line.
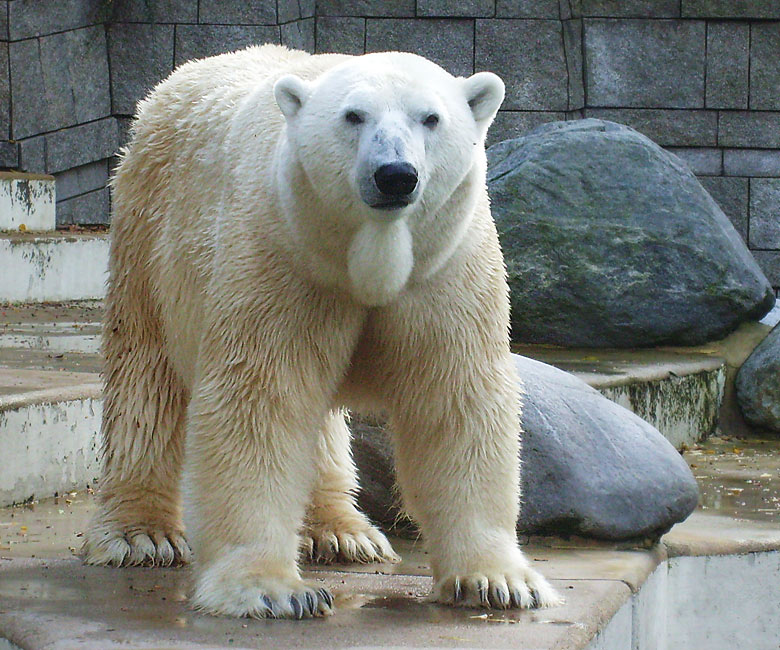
253	295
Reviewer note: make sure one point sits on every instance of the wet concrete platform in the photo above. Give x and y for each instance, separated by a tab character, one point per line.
48	599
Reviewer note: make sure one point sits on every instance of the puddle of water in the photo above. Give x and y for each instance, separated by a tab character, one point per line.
738	478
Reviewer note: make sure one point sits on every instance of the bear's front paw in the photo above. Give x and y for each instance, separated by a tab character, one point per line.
261	597
110	545
524	588
361	543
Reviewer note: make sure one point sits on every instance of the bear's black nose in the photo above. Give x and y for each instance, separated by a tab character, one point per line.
396	179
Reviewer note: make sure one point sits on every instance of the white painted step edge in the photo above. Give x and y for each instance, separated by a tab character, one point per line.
53	269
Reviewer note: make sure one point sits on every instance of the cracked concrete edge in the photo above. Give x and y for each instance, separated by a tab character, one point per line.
602	613
705	535
77	392
652	373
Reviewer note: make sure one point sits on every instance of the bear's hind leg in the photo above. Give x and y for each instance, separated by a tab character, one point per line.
335	530
138	520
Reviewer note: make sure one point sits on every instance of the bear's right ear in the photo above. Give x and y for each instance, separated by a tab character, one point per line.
290	93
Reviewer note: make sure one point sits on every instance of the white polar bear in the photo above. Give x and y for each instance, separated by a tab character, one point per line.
270	268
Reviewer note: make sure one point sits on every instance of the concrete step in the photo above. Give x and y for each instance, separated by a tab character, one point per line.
50	399
52	267
712	582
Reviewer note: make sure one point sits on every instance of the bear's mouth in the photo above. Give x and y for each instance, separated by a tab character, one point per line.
394	204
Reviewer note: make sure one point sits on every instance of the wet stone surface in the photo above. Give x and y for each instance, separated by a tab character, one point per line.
738	478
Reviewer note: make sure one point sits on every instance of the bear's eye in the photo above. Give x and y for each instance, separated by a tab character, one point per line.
353	118
431	121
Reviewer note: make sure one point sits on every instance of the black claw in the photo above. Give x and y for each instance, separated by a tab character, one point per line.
535	598
516	598
297	607
270	605
326	596
311	603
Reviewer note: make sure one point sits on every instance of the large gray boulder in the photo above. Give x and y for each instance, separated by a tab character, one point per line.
610	241
590	467
758	384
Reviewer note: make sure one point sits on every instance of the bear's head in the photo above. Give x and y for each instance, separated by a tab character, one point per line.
390	143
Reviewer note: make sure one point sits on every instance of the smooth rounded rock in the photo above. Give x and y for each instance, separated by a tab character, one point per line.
610	241
590	467
758	384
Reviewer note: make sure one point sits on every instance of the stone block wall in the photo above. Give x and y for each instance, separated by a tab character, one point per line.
701	77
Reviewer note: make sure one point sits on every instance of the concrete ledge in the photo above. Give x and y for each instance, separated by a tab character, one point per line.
50	442
679	392
53	268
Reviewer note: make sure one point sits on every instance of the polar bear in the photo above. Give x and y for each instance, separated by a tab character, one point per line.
294	236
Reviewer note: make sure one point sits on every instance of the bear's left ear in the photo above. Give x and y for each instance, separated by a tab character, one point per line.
290	93
484	93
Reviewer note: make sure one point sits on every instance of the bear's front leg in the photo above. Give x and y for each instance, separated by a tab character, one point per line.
457	462
455	410
261	399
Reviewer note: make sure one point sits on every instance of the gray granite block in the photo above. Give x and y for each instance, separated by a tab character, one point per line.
527	9
669	128
769	261
731	194
237	12
702	161
32	155
3	20
140	56
367	8
199	41
536	73
572	45
81	144
289	10
728	44
30	18
9	155
456	8
5	94
764	213
124	124
731	8
154	11
446	41
512	124
751	162
59	80
749	129
645	63
90	208
765	66
81	180
336	34
631	8
299	35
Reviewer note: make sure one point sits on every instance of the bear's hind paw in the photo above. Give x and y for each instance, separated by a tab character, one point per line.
323	546
526	591
149	548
